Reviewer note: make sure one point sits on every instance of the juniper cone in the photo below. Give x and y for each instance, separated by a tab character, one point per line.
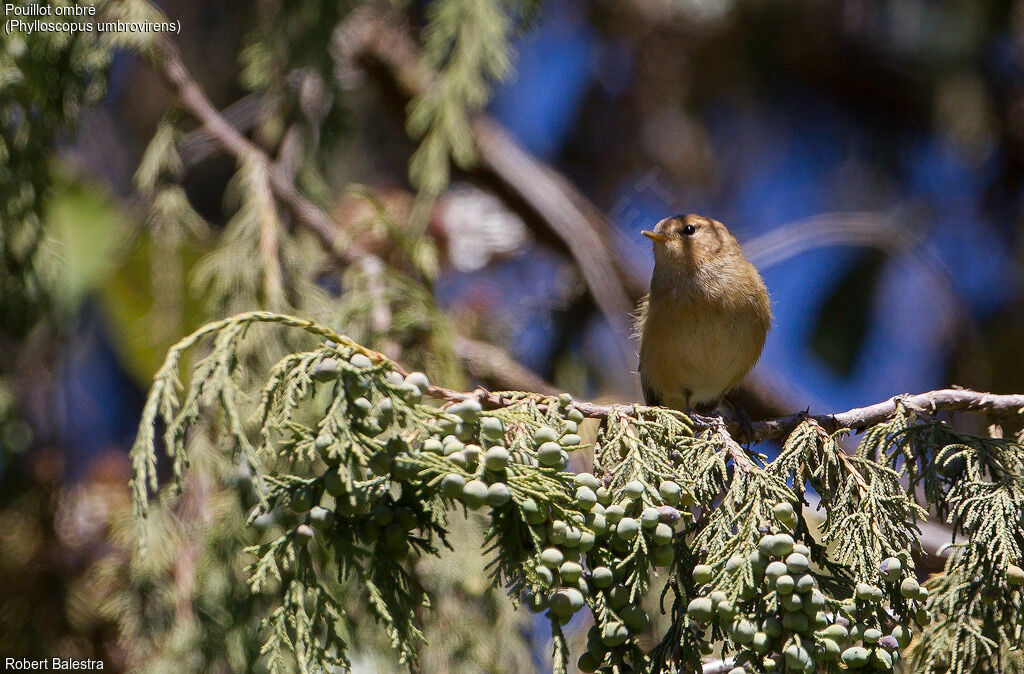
703	325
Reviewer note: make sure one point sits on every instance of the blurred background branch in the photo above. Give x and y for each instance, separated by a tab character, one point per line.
485	361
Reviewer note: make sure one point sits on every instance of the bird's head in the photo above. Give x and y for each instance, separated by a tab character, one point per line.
690	242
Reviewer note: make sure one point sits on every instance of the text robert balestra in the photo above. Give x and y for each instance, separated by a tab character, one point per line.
51	664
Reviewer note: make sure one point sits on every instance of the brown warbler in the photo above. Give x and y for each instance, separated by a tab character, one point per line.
703	325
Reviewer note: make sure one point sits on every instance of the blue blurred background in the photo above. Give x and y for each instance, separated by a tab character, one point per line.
867	154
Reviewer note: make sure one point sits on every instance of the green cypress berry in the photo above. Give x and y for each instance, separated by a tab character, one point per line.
614	634
452	485
545	434
909	588
570	572
702	574
635	619
360	360
552	558
785	584
700	610
649	518
742	631
533	512
587	663
498	495
326	370
617	597
565	601
614	514
797	563
627	528
633	490
586	499
662	534
602	577
496	458
474	494
549	454
782	545
670	492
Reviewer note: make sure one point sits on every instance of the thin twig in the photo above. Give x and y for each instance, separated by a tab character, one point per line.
170	66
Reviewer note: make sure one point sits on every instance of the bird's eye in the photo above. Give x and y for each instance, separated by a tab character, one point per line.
689	230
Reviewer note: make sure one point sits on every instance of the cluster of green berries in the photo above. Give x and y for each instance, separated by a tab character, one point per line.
803	629
614	530
577	548
324	504
473	443
372	417
585	553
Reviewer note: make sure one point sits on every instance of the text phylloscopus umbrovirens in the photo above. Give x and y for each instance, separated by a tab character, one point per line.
703	325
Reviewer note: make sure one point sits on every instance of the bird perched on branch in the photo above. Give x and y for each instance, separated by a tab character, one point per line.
703	325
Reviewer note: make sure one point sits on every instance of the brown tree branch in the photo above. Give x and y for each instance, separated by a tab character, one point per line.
198	145
485	361
555	199
170	66
860	418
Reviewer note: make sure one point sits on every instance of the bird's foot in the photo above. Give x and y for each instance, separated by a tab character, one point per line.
707	415
741	419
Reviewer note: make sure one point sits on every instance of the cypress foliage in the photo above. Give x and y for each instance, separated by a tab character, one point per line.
366	464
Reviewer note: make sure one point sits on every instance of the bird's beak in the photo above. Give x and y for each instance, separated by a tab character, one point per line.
654	236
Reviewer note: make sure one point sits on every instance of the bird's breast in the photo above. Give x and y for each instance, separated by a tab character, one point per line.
697	350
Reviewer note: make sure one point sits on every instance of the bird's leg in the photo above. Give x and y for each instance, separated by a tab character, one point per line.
703	413
742	419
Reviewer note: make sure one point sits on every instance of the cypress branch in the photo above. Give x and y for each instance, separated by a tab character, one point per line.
369	460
